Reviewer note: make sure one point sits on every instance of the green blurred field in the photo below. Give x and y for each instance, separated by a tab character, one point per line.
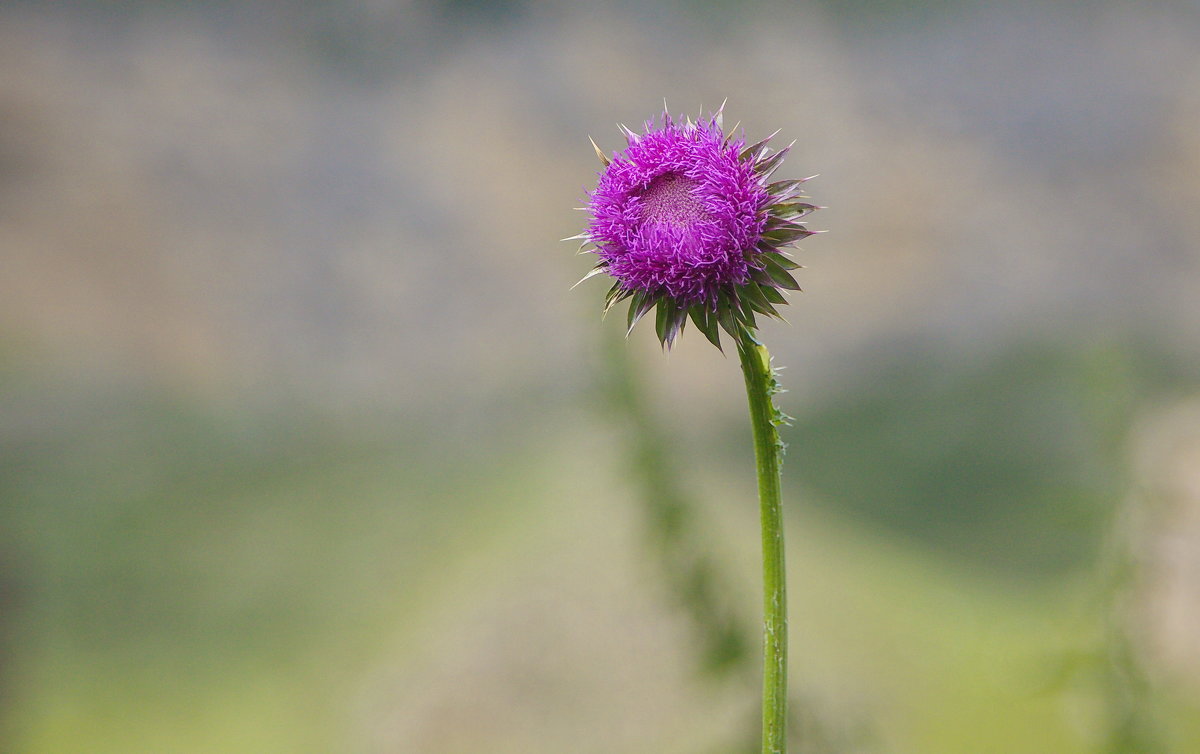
194	579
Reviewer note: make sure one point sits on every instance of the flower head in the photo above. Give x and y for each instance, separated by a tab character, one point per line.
686	221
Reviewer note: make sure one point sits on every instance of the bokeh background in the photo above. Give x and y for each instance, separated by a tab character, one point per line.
305	446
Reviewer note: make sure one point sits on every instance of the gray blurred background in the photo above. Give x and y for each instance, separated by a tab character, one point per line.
305	445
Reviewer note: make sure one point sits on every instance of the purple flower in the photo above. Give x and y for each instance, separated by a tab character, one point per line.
685	219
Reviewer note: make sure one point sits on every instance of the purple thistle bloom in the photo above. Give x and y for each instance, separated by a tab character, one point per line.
685	220
676	210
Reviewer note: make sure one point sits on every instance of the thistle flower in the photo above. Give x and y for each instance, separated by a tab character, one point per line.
686	221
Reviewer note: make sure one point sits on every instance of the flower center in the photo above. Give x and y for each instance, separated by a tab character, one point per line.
670	199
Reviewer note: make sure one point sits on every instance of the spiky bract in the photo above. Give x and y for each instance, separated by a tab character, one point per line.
686	220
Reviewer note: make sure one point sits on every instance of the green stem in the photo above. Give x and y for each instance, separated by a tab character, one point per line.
760	386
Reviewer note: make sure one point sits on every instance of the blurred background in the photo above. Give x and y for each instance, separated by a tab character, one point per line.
305	446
